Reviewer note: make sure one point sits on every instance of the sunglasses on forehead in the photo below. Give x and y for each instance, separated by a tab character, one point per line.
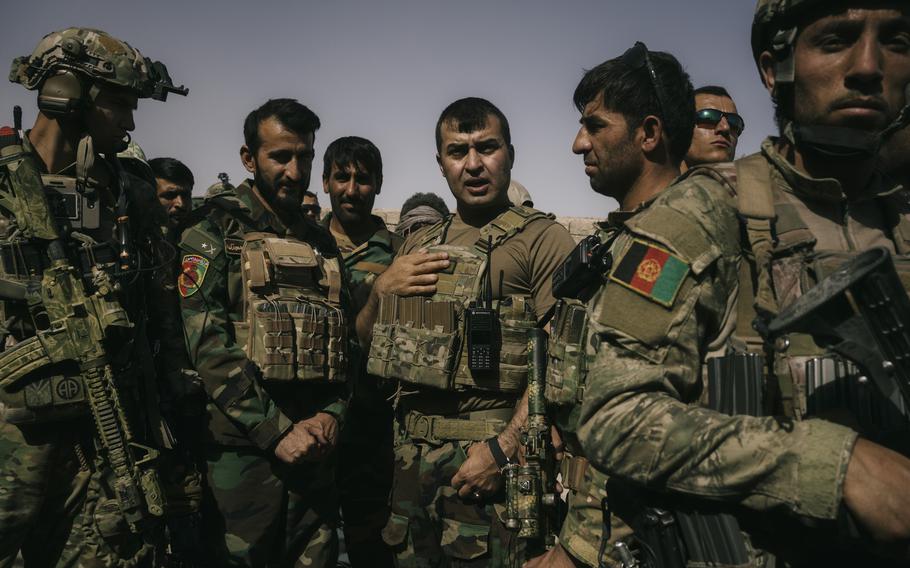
637	57
711	116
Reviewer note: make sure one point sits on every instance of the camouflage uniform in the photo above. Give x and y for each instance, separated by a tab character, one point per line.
258	510
430	524
680	274
582	529
365	451
58	502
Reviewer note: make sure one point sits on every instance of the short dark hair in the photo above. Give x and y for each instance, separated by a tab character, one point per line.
471	114
715	90
427	199
351	151
172	170
631	93
290	113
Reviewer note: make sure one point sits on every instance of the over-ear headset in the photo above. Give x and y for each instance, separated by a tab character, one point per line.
64	94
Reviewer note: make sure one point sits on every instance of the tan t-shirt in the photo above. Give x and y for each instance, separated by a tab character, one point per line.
526	262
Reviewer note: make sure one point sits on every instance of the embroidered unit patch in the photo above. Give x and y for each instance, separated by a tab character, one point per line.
653	272
192	275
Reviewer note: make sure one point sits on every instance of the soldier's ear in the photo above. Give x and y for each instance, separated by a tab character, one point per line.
378	185
766	65
652	129
249	161
439	163
325	184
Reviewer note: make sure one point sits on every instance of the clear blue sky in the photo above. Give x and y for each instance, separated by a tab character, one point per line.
386	69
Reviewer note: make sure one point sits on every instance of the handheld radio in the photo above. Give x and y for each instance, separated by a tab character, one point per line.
482	325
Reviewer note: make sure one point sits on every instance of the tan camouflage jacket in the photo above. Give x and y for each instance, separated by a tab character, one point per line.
670	293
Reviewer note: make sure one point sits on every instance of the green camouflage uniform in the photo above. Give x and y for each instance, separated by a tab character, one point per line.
57	502
430	524
258	510
365	458
685	289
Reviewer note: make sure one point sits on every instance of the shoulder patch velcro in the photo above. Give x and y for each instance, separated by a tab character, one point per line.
194	270
653	272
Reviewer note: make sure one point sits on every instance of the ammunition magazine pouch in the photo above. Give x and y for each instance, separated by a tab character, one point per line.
471	426
736	384
566	368
572	469
421	340
23	259
294	328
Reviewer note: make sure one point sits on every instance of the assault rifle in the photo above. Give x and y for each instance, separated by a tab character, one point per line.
862	313
75	326
531	488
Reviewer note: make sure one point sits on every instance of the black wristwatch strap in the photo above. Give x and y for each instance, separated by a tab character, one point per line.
500	456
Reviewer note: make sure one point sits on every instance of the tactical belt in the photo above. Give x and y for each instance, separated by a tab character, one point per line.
26	259
475	426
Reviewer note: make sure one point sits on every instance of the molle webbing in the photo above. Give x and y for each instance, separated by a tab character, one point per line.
421	341
293	327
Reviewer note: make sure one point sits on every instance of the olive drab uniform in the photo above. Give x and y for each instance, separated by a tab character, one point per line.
266	317
365	450
723	244
442	406
80	432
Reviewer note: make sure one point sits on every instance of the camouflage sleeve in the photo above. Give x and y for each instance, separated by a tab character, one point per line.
671	288
229	377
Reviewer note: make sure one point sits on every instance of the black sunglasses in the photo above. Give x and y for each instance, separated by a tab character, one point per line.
308	207
712	116
637	57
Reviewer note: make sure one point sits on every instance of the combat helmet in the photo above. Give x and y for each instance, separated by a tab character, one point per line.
775	27
69	66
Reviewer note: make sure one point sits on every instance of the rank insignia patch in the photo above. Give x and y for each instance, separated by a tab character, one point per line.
654	273
194	270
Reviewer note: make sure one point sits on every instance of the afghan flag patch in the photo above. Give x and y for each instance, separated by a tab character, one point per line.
653	272
194	269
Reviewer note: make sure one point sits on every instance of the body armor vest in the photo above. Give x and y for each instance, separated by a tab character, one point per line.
421	340
781	263
52	392
293	327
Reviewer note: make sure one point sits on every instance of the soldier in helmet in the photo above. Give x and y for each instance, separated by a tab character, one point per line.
81	435
705	427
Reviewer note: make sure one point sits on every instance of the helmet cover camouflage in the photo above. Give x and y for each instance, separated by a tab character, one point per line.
94	54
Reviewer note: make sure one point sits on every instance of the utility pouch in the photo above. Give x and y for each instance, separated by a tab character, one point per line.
566	368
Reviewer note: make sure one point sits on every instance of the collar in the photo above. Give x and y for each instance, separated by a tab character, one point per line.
618	218
817	189
265	220
382	237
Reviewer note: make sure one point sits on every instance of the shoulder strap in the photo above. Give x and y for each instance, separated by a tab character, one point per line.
507	225
755	202
435	234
